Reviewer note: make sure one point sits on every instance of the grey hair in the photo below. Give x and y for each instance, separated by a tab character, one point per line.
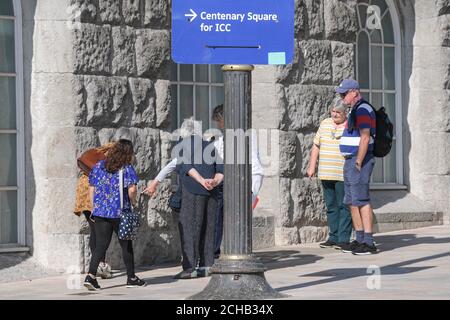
339	105
189	127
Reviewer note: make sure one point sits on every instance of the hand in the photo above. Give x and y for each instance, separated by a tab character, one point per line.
151	189
207	184
311	171
358	165
211	183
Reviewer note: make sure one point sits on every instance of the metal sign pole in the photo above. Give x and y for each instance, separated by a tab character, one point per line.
238	274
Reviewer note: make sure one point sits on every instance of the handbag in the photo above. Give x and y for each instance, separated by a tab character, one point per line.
175	200
89	159
129	220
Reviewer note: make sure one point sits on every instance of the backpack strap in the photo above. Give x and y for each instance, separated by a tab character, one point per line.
360	102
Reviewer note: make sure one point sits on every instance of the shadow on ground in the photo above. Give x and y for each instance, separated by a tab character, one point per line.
393	242
286	259
8	260
333	275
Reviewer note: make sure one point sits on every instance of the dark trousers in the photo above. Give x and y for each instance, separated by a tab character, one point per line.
338	214
196	226
92	238
104	229
219	221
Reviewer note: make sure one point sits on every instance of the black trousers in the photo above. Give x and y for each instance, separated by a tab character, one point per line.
196	226
92	237
104	229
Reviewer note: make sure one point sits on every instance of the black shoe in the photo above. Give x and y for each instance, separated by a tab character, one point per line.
348	248
365	249
203	272
340	245
328	244
186	275
136	282
91	283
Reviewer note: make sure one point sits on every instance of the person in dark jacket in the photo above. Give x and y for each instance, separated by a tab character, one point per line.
200	171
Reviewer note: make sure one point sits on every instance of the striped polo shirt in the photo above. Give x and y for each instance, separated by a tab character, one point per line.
362	116
331	162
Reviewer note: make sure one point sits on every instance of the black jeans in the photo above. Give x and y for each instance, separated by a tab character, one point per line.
92	238
196	225
219	220
104	229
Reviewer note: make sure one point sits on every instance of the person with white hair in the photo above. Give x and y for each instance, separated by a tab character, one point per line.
331	173
198	176
188	128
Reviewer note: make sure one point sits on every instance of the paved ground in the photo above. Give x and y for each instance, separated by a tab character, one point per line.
413	264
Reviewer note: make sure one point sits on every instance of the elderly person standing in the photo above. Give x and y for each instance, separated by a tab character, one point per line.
331	173
200	171
357	145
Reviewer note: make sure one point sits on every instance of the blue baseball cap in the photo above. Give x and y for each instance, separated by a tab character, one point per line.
347	85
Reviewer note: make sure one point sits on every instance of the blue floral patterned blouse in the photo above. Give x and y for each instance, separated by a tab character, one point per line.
106	194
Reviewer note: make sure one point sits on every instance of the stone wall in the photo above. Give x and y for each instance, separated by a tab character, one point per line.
121	51
325	33
94	71
427	116
53	232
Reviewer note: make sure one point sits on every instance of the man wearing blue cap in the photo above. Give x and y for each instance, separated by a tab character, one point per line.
357	148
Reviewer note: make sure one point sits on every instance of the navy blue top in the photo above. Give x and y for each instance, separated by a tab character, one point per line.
362	116
195	153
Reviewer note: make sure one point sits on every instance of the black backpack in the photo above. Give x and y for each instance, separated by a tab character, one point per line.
384	132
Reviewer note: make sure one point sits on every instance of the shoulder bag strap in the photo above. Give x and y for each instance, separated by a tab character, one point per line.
121	187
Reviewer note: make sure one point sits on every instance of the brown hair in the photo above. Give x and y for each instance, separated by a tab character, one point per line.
119	155
106	147
218	113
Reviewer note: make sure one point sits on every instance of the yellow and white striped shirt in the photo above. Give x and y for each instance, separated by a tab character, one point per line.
331	162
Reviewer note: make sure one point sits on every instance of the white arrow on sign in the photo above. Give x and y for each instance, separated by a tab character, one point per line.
193	15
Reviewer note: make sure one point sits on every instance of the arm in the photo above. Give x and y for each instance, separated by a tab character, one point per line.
132	193
91	195
197	177
168	169
256	183
218	178
363	147
313	161
256	161
153	185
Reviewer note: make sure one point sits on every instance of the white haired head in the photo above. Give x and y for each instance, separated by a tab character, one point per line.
190	127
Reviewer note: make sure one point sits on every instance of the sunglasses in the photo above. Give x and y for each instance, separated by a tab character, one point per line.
335	134
343	95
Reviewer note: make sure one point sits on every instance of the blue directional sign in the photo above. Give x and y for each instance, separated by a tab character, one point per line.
233	31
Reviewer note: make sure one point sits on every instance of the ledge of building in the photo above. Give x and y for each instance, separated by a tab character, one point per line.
263	231
13	248
400	210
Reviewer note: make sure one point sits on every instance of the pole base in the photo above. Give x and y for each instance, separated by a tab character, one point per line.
238	280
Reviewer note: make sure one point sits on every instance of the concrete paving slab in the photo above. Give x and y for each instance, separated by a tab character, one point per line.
411	264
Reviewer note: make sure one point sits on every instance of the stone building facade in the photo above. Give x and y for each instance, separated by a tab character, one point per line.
88	71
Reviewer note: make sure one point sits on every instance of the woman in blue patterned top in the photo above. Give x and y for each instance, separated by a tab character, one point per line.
105	194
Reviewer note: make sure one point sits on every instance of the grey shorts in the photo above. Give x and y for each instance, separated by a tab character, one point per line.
357	182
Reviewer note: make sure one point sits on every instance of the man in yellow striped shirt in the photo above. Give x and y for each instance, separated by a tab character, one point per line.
326	151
